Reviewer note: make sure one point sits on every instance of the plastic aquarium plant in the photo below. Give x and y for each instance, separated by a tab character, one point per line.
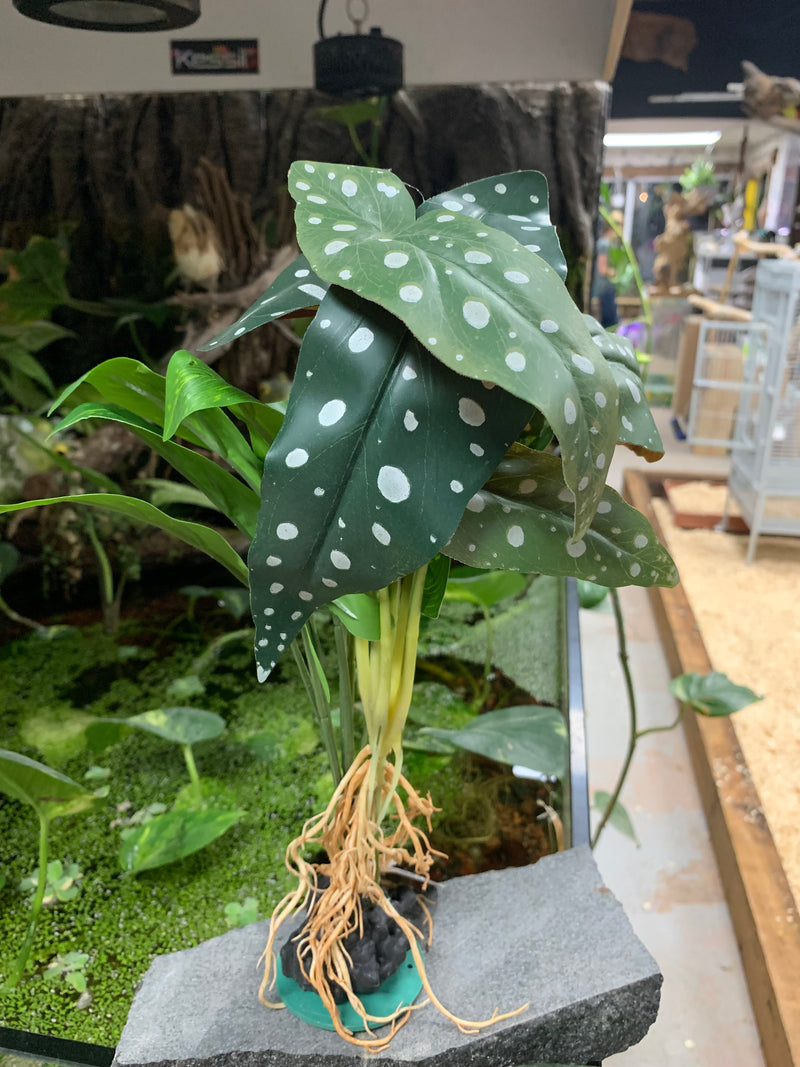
444	360
444	334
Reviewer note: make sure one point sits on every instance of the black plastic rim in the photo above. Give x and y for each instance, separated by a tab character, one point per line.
174	14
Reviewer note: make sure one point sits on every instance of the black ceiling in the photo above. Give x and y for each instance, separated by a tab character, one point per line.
767	32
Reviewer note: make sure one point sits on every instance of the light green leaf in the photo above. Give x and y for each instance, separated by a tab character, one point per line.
619	817
590	594
172	836
165	493
532	736
77	980
36	784
522	520
485	589
359	613
485	305
207	540
182	725
712	694
235	500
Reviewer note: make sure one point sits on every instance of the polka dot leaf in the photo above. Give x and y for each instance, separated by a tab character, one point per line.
637	429
380	449
295	288
481	302
516	203
522	520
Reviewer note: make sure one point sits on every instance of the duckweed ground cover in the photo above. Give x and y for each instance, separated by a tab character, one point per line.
268	763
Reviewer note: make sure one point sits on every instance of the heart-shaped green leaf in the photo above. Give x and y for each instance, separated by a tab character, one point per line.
619	817
380	448
36	784
295	288
485	305
522	520
171	836
532	736
516	203
184	726
712	694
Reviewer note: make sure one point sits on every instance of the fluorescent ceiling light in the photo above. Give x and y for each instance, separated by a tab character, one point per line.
661	140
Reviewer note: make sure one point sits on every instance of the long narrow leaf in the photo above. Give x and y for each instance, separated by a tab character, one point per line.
191	533
226	492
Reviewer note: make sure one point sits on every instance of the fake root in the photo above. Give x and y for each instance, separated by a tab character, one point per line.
359	853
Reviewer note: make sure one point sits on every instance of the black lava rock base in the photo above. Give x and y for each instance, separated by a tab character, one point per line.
551	935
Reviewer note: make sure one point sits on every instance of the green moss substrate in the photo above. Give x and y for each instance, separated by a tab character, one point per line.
122	921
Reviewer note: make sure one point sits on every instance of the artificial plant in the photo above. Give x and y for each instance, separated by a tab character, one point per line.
443	334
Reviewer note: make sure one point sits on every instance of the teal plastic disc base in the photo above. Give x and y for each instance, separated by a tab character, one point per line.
399	990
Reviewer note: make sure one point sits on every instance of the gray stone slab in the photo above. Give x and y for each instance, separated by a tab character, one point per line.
550	934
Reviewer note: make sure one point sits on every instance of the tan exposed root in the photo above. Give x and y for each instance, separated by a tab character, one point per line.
359	852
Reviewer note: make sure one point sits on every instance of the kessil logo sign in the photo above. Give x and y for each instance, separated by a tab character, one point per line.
214	57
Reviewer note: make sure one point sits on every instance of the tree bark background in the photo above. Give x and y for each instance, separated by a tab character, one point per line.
110	166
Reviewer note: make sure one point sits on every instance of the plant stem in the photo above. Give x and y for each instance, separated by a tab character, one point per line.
36	907
204	660
110	624
16	617
310	673
344	655
191	766
634	736
647	310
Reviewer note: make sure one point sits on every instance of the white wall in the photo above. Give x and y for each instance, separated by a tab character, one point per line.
446	41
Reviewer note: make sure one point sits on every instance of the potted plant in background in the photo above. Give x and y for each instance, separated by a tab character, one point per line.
450	402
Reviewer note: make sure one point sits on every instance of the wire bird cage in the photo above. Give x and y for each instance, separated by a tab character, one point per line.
765	455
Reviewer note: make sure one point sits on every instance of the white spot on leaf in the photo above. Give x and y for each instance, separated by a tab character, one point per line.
582	363
515	536
393	484
331	412
456	486
297	457
411	294
410	421
548	326
477	257
471	412
381	534
575	548
340	561
570	411
476	503
476	313
515	361
395	260
286	531
349	187
361	339
313	290
332	247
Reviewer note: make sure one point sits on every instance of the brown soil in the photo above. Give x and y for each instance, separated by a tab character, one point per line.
750	621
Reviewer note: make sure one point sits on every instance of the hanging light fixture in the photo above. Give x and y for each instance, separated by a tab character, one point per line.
125	16
357	64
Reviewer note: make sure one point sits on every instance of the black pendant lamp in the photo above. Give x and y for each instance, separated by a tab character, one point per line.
119	16
357	64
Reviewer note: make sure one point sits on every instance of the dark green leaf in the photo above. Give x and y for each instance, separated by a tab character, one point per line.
522	520
636	427
435	585
172	836
380	448
183	726
532	736
485	305
104	732
36	784
619	817
486	589
522	210
712	694
9	558
295	288
207	540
